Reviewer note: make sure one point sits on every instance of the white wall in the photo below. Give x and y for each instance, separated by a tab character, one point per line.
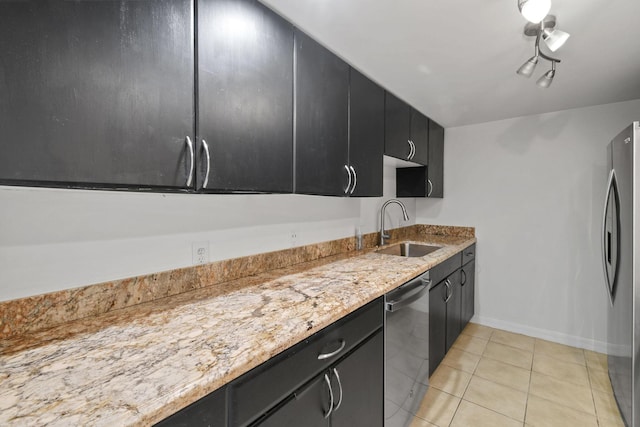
57	239
533	187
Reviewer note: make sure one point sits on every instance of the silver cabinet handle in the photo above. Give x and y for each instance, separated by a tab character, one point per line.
206	175
448	285
323	356
430	187
326	380
346	190
191	155
413	149
413	293
465	277
410	149
335	372
355	179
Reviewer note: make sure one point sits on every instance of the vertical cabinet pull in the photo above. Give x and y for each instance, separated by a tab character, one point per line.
355	179
346	190
449	290
410	149
206	175
430	184
191	165
413	149
335	372
464	280
326	380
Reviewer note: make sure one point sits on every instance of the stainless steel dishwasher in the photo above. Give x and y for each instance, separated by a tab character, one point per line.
406	350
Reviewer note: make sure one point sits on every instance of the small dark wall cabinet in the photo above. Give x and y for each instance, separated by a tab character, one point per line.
436	160
245	98
366	135
406	131
96	93
412	182
321	119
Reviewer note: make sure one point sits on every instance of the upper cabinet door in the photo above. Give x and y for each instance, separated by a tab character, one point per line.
245	97
420	137
366	135
397	129
436	159
96	93
321	115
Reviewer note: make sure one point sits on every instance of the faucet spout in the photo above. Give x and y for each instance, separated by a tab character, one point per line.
383	234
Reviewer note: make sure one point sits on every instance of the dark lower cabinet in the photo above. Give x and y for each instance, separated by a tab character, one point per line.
454	308
307	407
321	119
437	325
245	98
468	279
96	93
210	411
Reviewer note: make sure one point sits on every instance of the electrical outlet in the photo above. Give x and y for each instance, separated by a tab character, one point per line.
293	237
200	252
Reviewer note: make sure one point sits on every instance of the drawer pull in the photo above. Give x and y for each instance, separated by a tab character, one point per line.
323	356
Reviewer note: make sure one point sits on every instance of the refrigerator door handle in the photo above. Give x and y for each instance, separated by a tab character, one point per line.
612	188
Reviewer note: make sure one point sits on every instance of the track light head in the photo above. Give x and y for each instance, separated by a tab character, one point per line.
534	10
528	67
554	39
547	78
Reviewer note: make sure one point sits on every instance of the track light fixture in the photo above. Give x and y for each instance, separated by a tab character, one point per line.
534	10
553	39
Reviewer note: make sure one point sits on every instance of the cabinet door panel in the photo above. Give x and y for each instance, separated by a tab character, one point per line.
245	91
437	325
306	407
96	93
362	379
321	115
468	292
397	127
366	134
420	137
454	309
436	159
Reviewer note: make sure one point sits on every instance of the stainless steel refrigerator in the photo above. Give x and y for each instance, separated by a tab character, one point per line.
620	240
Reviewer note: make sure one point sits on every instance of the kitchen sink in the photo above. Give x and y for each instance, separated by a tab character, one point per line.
408	249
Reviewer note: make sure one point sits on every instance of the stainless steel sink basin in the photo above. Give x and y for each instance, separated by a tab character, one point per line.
408	249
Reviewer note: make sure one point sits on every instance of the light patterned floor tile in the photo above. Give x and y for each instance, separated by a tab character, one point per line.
503	373
596	361
461	360
497	397
600	380
470	344
419	422
606	406
450	380
571	372
545	413
470	414
562	392
522	342
478	331
512	356
438	407
560	352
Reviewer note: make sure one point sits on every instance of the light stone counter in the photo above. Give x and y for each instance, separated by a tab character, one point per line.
140	364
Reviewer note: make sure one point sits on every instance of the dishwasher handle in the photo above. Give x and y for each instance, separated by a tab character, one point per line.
412	292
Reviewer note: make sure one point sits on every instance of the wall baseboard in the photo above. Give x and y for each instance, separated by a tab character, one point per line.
554	336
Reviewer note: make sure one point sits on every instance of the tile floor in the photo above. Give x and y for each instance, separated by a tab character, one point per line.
496	378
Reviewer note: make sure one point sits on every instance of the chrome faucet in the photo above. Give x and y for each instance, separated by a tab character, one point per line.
384	206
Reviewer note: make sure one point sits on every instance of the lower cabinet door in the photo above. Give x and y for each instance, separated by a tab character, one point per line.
306	407
468	291
454	309
358	386
437	325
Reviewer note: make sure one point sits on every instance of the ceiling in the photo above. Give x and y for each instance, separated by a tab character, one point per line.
456	60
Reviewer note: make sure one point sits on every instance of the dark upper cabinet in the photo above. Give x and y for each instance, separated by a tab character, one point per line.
96	93
436	160
321	119
245	97
366	135
397	127
406	134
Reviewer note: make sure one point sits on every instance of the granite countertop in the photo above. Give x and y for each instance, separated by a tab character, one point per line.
138	365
